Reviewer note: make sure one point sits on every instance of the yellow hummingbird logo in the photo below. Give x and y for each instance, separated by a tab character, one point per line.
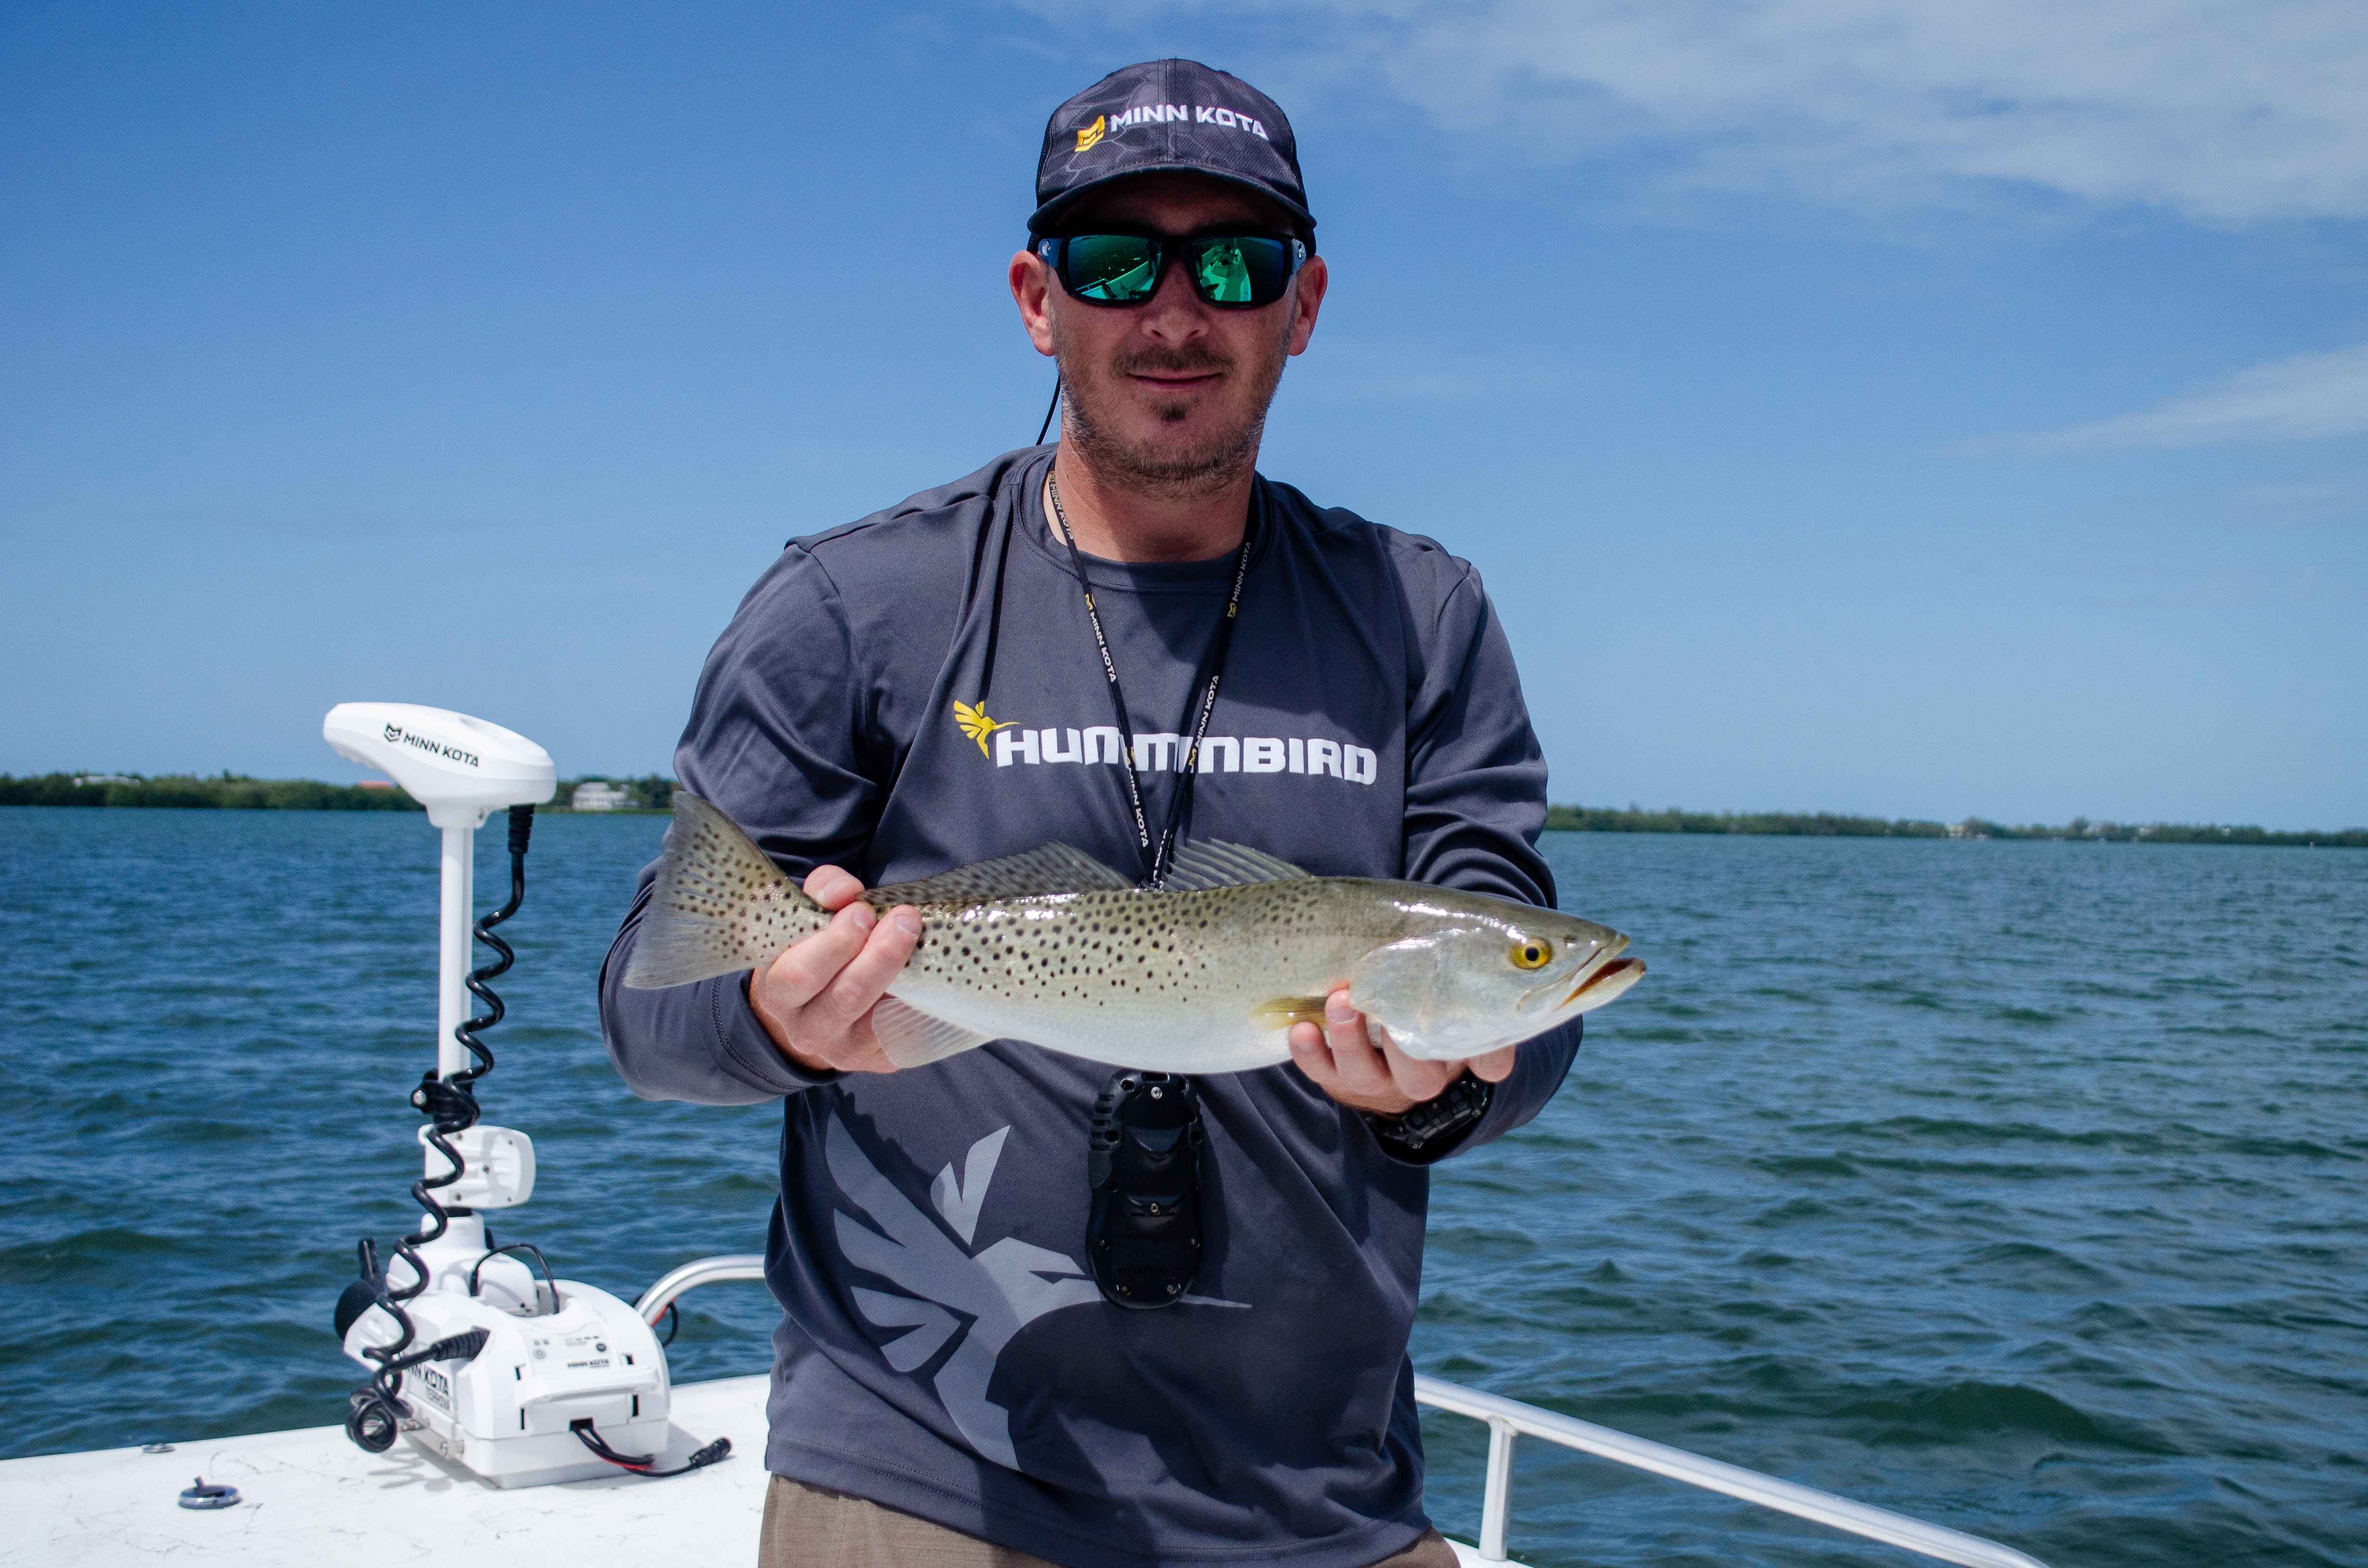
971	717
1087	136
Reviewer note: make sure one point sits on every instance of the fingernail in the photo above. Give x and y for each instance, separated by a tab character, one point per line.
1338	1010
863	917
909	922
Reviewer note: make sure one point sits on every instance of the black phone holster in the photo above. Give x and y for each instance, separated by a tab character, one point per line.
1143	1162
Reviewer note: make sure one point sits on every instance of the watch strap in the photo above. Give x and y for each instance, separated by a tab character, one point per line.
1425	1132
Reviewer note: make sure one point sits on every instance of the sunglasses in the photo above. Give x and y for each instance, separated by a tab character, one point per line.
1238	272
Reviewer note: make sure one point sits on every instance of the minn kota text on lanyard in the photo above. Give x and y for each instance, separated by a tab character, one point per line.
1156	857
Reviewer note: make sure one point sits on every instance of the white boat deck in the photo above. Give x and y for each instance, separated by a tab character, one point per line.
310	1497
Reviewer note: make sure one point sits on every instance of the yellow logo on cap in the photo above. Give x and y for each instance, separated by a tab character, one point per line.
1089	135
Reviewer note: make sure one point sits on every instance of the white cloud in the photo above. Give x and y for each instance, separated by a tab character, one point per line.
2293	399
2227	111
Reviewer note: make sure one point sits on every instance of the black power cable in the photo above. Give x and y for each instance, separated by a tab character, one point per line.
493	1252
376	1410
645	1464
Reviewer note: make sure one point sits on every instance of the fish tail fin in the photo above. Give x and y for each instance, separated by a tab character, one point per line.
695	926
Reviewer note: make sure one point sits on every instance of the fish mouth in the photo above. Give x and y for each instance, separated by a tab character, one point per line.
1603	976
1556	994
1604	981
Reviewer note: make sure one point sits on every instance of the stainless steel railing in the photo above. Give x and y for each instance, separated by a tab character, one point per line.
1509	1420
691	1276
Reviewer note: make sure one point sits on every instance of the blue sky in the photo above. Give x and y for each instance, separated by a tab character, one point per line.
1916	410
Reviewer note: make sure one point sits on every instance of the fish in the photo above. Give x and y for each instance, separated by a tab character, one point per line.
1204	974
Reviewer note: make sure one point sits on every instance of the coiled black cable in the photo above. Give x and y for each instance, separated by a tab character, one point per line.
375	1411
521	829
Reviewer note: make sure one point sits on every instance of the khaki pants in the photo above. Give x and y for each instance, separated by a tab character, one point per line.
806	1527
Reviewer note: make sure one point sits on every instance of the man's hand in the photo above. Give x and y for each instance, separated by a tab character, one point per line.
1360	1067
816	999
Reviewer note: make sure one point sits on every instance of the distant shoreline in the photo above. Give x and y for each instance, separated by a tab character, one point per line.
652	794
1830	825
236	791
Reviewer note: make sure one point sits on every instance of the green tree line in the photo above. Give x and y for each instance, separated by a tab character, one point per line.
1830	825
655	792
234	792
237	791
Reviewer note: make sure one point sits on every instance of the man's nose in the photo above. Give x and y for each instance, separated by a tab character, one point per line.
1174	314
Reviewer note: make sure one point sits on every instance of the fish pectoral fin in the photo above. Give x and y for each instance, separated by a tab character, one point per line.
1281	1012
1398	986
1055	869
910	1038
1201	865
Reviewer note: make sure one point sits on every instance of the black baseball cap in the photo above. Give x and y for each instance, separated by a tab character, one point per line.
1164	115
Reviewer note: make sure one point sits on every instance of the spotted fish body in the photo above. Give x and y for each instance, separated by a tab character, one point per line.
1205	975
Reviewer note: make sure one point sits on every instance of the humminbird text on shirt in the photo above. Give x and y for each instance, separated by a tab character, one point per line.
1164	754
1197	114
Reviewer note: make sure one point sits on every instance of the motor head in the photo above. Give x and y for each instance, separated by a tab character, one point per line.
459	768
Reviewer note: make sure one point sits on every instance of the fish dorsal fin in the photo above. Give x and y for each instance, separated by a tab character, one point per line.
1055	869
1212	863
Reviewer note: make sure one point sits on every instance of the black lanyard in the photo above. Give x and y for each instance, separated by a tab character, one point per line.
1157	859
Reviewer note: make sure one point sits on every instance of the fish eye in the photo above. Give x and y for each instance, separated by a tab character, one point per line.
1531	955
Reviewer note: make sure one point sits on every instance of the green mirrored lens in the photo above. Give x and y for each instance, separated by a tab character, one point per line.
1241	270
1222	275
1118	267
1237	270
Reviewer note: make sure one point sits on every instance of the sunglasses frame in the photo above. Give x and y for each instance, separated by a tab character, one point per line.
1053	249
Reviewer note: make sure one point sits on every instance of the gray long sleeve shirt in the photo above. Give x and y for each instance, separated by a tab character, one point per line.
942	1350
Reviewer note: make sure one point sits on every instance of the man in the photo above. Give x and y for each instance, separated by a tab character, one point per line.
934	686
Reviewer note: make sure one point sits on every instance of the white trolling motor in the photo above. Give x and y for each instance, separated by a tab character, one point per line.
476	1356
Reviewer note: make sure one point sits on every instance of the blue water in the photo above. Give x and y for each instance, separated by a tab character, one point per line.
2014	1186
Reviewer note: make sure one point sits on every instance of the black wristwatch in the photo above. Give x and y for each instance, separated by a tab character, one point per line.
1427	1131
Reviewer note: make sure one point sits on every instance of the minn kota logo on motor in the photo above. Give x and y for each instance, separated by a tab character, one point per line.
397	735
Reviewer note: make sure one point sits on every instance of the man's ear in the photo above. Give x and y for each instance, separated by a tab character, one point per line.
1031	290
1307	298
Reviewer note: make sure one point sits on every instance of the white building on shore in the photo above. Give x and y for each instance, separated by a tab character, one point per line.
598	796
